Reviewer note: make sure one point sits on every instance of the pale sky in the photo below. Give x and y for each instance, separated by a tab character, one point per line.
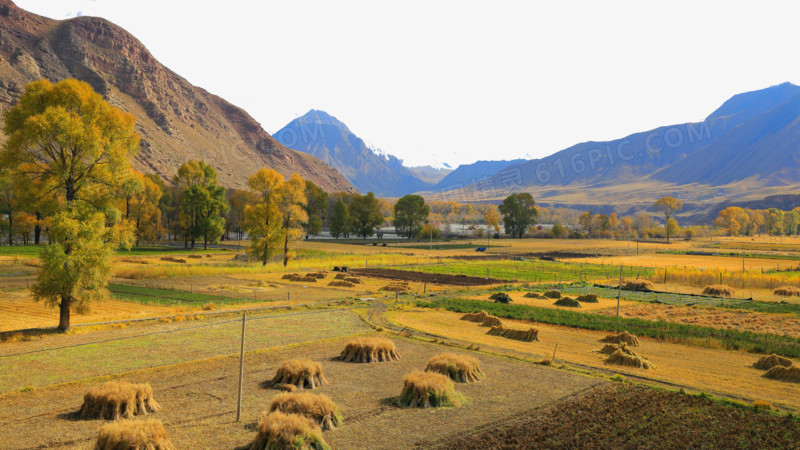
453	82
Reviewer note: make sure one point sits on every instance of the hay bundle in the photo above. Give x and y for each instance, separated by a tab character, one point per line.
492	321
553	294
519	335
319	408
340	283
719	290
610	349
173	259
621	338
427	389
486	320
587	298
368	350
317	275
133	435
768	362
346	277
298	277
302	373
396	286
460	368
637	285
500	297
285	387
787	291
534	295
278	430
195	256
115	399
568	301
791	373
621	358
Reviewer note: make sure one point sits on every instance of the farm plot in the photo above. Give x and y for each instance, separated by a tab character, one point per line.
199	400
711	370
420	277
628	416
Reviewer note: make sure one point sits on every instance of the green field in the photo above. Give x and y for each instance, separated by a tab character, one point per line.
156	296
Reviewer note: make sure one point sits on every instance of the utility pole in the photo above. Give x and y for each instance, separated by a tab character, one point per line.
241	370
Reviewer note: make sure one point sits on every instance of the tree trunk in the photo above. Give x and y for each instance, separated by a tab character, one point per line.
63	319
10	229
286	249
37	230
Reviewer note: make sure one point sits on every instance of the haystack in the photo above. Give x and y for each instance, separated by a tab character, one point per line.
534	295
317	275
587	298
319	408
519	335
427	389
637	285
340	283
787	291
621	358
460	368
173	259
768	362
368	350
396	286
302	373
623	337
500	297
133	435
277	430
348	278
552	294
568	301
115	399
610	349
719	290
791	373
486	320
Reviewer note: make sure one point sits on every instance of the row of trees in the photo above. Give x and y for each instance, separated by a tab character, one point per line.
736	221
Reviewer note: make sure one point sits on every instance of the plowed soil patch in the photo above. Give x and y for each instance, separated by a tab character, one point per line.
434	278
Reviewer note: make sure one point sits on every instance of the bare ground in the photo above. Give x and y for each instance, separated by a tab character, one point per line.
436	278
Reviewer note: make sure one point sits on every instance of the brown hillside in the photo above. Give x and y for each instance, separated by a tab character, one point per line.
177	121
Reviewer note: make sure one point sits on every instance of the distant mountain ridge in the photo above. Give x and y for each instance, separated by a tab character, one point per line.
176	120
327	138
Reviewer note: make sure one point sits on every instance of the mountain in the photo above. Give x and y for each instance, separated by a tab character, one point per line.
430	174
176	120
748	147
468	173
325	137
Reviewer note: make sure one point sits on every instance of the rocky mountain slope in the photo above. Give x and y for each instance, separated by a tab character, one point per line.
322	135
177	121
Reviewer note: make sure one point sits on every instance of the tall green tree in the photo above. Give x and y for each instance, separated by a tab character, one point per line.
365	214
263	219
519	214
668	206
78	148
410	212
340	220
316	206
202	202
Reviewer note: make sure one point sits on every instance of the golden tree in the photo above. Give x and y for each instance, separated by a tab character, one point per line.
264	220
78	147
142	208
293	199
668	206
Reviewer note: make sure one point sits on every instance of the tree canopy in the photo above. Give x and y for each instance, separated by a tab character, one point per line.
519	214
410	212
365	215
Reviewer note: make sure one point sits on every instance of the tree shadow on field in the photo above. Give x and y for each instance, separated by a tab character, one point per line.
73	416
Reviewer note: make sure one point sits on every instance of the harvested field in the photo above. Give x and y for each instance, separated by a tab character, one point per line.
407	275
613	416
781	373
200	400
133	435
712	370
369	350
532	334
428	390
301	373
757	322
622	338
460	368
768	362
118	399
317	407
